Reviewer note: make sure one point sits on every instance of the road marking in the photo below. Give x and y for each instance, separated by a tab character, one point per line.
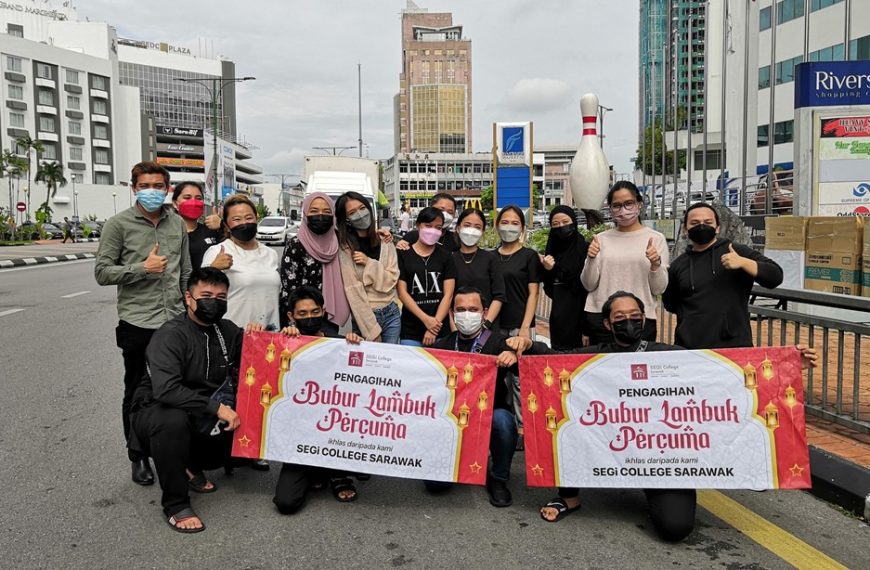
46	265
10	312
71	295
785	545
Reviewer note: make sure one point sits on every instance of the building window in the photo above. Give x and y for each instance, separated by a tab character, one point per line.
16	92
43	70
103	178
819	4
73	102
46	124
46	97
16	120
98	82
49	151
15	30
764	19
72	76
762	136
77	178
101	132
75	127
101	156
100	107
75	153
788	10
860	48
783	132
764	77
13	63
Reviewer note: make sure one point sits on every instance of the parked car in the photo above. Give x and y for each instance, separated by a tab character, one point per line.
53	231
274	230
94	226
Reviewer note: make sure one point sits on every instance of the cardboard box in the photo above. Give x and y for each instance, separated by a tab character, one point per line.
843	234
793	265
785	233
833	272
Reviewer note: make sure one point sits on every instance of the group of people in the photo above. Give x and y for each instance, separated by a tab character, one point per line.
187	287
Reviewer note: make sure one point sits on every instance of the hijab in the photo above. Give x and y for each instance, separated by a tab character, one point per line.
566	251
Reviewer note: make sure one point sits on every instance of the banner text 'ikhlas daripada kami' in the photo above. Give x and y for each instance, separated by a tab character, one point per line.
372	408
729	418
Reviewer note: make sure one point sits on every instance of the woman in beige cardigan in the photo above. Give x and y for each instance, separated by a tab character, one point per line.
369	269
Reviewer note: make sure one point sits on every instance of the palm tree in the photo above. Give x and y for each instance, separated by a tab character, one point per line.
27	143
52	174
13	165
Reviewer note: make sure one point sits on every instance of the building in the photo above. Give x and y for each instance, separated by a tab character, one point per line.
433	107
413	178
556	174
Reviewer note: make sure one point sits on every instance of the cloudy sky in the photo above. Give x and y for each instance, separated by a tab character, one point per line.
532	60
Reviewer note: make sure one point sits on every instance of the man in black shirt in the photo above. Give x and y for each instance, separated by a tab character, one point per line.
468	313
447	204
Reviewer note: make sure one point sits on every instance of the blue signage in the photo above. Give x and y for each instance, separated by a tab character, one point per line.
512	140
829	83
512	186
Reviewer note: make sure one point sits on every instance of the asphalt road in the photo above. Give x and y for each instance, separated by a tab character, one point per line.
67	499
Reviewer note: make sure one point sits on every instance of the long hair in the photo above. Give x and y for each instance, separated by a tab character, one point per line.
347	236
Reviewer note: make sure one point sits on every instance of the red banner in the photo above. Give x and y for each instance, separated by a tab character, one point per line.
846	127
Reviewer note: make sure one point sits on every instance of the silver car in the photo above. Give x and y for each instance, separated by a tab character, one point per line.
274	230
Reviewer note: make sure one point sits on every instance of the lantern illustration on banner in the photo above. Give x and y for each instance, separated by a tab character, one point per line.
452	375
266	394
482	401
548	376
750	379
564	381
284	364
550	415
771	416
532	401
790	397
270	352
468	373
250	376
766	368
463	415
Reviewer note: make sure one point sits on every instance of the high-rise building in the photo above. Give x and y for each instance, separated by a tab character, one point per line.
433	106
653	34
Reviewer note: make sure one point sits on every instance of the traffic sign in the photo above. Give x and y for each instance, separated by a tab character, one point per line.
21	206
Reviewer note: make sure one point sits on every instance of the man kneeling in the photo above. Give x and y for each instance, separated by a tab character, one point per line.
180	413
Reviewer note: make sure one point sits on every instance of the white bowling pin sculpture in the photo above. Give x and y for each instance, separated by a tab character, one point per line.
590	172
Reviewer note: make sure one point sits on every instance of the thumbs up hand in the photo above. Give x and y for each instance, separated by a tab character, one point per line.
594	248
223	261
155	263
213	222
652	254
732	260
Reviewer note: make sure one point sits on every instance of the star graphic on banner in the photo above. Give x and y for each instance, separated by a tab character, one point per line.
796	470
538	470
475	467
244	441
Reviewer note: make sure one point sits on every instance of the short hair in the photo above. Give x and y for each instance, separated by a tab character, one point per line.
302	293
429	214
470	290
238	200
697	205
148	167
209	276
176	192
608	304
442	196
516	210
624	185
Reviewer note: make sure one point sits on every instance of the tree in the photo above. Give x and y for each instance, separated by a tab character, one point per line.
51	173
537	197
12	165
651	162
27	143
486	198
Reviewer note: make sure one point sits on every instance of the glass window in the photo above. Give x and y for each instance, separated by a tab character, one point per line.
16	92
838	52
49	151
75	153
100	107
43	70
102	178
16	120
764	77
13	63
98	82
73	102
764	19
101	132
820	4
75	127
15	30
46	97
77	178
860	48
783	132
101	156
762	135
46	124
72	76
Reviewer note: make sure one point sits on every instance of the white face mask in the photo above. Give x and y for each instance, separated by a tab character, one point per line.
509	234
470	236
468	323
448	219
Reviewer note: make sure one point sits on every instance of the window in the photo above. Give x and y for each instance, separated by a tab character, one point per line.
75	153
15	30
860	48
101	132
49	151
762	136
16	120
98	82
100	107
788	10
764	19
46	124
102	178
77	178
764	77
783	132
16	92
13	63
101	156
46	97
72	76
43	71
819	4
75	127
73	102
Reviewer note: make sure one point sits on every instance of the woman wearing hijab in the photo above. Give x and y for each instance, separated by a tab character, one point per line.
311	258
563	262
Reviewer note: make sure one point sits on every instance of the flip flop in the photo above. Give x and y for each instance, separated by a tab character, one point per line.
183	515
560	505
343	484
199	484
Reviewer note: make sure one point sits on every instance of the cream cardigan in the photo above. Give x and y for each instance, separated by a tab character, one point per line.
368	287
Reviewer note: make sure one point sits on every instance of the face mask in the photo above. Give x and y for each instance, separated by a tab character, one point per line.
509	234
309	326
244	232
430	236
150	199
448	219
628	331
626	218
702	234
470	236
191	209
360	220
319	224
468	323
210	310
563	232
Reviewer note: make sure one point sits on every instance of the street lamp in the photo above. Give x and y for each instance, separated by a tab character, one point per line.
213	92
601	111
114	202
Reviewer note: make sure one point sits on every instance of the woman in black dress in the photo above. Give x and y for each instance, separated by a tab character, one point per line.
563	262
476	267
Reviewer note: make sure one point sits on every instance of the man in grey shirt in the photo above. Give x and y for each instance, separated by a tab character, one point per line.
143	250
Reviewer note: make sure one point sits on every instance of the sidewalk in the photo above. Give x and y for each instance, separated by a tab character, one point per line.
45	251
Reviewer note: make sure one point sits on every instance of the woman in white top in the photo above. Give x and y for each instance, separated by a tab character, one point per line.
254	280
630	257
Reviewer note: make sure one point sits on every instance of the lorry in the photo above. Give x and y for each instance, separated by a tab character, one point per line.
335	175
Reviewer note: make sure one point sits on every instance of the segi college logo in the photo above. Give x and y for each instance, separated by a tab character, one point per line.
639	372
355	358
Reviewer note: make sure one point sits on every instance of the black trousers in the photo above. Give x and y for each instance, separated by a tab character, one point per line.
169	437
294	481
600	335
672	510
132	341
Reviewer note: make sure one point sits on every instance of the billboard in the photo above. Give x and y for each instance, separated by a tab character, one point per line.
180	148
179	131
225	169
832	83
513	143
512	153
843	168
181	162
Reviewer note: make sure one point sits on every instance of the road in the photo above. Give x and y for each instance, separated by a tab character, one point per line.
68	502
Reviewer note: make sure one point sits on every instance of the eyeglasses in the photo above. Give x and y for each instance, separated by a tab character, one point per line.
627	205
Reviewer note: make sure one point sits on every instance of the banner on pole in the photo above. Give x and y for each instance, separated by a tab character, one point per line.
373	408
729	418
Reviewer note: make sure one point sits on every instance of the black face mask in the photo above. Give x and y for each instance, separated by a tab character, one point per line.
309	326
244	232
210	310
628	331
319	224
563	232
702	234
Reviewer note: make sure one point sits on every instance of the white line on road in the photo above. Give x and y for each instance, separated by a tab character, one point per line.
46	265
71	295
10	312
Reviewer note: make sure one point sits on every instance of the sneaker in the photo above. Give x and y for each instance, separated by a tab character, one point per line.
499	494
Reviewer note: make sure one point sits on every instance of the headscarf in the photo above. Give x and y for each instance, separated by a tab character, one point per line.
565	251
324	249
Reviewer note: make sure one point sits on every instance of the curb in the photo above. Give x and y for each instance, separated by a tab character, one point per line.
20	262
840	481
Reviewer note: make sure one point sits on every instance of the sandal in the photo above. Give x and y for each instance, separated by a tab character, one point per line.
560	505
181	516
342	484
199	484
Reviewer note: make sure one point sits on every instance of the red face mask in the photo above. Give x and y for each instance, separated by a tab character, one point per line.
191	209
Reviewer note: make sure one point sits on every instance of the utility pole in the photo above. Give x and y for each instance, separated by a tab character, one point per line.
359	103
336	150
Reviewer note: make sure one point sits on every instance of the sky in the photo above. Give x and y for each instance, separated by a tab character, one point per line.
532	60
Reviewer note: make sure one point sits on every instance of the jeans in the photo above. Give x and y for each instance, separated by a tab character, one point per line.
390	320
132	341
513	382
410	342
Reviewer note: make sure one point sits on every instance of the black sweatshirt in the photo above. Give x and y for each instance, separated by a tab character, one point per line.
711	302
493	346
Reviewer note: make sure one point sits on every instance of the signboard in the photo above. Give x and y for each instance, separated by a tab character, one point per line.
730	418
513	143
20	206
182	162
832	83
180	148
843	166
179	131
512	154
373	408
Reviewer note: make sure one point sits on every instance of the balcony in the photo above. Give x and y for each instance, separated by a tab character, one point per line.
102	168
49	137
100	119
43	82
46	110
101	143
99	94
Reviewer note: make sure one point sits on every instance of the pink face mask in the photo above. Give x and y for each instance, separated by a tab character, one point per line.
430	236
626	217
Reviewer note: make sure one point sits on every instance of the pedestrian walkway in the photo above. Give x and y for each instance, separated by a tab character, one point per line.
45	251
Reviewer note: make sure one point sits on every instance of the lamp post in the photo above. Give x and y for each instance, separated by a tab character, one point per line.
75	219
601	111
211	85
114	201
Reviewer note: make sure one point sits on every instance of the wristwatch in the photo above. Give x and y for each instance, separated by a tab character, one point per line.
487	324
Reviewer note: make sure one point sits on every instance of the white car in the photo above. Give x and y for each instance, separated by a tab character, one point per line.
274	230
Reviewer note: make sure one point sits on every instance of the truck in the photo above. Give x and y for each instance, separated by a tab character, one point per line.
335	175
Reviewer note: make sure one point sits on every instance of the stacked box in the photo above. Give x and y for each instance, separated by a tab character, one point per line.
834	247
865	288
785	242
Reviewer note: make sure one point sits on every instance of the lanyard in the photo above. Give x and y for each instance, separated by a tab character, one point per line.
478	343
